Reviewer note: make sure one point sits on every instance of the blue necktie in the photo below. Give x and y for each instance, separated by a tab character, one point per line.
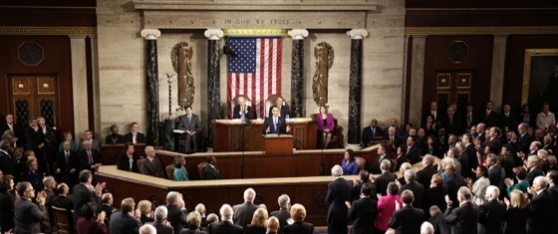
275	123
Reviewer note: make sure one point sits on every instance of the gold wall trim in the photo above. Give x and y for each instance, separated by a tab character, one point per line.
479	30
48	31
529	53
255	32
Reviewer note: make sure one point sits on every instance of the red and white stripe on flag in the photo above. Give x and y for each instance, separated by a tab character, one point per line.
255	72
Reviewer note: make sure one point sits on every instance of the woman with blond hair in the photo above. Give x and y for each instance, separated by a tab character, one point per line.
298	214
144	207
258	224
194	221
68	138
180	173
517	213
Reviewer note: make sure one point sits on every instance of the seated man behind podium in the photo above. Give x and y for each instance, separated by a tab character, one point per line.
191	124
241	110
275	124
134	135
151	165
114	137
283	110
210	172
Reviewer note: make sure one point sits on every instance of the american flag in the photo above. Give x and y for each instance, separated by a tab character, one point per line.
255	72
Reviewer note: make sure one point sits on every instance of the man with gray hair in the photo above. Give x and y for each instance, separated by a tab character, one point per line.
541	207
424	176
147	229
283	213
338	192
465	216
492	212
151	165
426	228
160	223
243	212
417	188
50	185
533	168
402	170
385	178
176	211
226	226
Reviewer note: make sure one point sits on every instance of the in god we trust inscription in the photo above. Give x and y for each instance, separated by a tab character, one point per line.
256	22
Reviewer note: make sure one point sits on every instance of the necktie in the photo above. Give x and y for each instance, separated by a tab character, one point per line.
241	114
189	119
434	114
374	132
487	113
11	127
391	138
469	120
67	156
89	158
275	123
451	119
134	139
507	115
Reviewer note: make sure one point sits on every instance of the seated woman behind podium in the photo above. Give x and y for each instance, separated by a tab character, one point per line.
349	164
326	125
275	124
241	110
179	173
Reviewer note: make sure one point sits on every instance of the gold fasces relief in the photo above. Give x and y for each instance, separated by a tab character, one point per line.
324	60
181	57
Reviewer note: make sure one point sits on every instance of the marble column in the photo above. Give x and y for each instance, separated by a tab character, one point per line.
79	84
417	78
152	85
96	90
355	86
297	72
498	67
213	79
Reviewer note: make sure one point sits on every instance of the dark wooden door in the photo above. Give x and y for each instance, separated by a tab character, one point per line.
36	96
453	87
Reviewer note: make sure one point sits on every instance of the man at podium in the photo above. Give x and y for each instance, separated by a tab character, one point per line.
275	124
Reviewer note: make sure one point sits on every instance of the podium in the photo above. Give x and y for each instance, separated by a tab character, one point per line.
277	144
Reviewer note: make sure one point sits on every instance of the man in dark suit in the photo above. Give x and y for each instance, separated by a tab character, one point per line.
415	187
33	175
364	178
452	122
152	165
424	176
114	137
192	125
541	208
176	211
494	140
18	133
28	215
454	182
88	158
508	120
338	192
226	226
107	201
494	170
392	137
66	164
243	212
492	212
363	210
8	161
241	110
408	219
62	200
552	178
122	222
470	150
160	216
413	153
470	119
88	137
463	158
533	169
382	155
371	132
465	215
385	178
489	117
283	213
84	192
523	142
134	135
432	111
210	172
275	124
283	110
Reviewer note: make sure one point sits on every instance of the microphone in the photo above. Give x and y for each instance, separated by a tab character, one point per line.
322	164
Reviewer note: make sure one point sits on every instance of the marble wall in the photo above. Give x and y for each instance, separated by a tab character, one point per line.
121	56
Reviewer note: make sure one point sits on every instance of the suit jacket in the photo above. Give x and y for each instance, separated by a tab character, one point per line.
282	215
494	174
515	220
299	228
124	223
83	159
532	174
81	196
491	216
376	167
382	182
455	127
472	156
177	217
467	124
8	163
210	173
28	216
464	218
368	135
281	126
225	227
424	176
338	192
355	192
248	114
94	145
523	143
463	159
7	201
140	138
418	192
509	122
284	111
124	162
397	140
541	213
492	119
413	154
428	112
362	212
34	139
435	197
63	202
407	220
243	213
154	168
108	209
193	124
162	228
114	139
71	164
35	178
454	183
554	191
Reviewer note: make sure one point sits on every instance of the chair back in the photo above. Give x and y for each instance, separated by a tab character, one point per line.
64	220
48	221
169	168
270	101
201	166
394	165
361	162
139	162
